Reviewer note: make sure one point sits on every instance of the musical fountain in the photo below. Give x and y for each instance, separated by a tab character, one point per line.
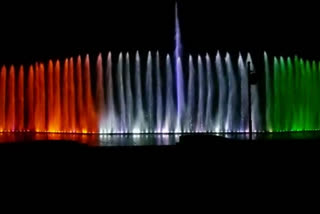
158	94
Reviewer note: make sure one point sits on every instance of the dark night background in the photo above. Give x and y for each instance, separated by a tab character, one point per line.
32	32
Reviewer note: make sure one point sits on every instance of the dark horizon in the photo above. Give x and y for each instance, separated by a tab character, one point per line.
59	31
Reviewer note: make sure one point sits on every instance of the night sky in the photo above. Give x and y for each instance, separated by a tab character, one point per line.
57	30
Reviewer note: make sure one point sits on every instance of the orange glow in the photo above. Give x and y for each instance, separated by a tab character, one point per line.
42	94
11	111
20	106
30	109
57	102
53	99
81	115
37	116
3	77
51	116
90	111
65	97
72	100
100	90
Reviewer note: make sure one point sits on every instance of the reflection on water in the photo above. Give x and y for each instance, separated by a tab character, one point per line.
141	139
238	136
93	140
138	140
308	135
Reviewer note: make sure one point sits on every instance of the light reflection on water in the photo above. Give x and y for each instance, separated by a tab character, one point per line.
93	140
138	140
141	139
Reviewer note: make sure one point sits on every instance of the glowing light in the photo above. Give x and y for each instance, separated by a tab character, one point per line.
54	98
136	131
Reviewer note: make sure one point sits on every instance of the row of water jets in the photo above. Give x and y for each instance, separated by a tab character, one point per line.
206	96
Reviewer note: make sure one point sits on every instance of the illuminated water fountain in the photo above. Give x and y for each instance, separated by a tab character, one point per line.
159	93
138	97
292	87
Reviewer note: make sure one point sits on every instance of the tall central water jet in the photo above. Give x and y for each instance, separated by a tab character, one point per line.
178	46
179	74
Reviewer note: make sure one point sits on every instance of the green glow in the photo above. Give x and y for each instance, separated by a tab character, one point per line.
282	91
296	93
276	96
290	114
269	91
292	88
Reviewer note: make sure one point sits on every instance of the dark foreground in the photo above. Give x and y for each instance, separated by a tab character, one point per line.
266	140
280	151
148	148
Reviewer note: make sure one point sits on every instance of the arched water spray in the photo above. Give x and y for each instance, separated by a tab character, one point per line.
128	95
11	100
210	91
190	122
223	96
170	109
3	77
268	94
159	118
100	91
149	94
180	96
139	126
201	97
120	84
231	123
110	120
21	101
